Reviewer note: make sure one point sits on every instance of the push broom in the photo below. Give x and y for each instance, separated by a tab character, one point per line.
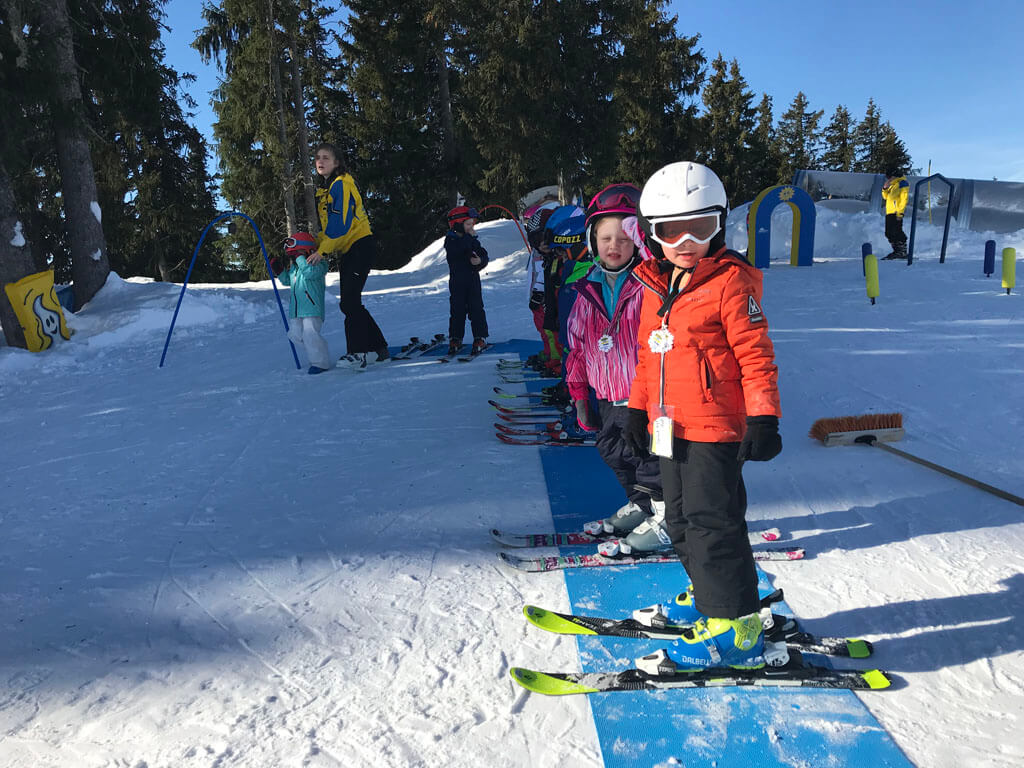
877	429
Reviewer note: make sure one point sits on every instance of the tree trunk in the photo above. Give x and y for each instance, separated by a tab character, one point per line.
15	260
287	179
302	138
448	128
89	263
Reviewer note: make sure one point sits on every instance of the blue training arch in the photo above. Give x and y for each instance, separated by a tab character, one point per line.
759	226
191	264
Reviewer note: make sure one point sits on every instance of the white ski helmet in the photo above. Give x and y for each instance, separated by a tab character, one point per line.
681	190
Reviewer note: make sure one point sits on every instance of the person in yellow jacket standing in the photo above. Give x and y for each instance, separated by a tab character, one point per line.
345	233
895	191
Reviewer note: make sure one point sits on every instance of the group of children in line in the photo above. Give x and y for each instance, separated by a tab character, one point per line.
664	350
657	331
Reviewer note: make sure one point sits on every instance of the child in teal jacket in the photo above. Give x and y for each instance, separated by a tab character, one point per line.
306	305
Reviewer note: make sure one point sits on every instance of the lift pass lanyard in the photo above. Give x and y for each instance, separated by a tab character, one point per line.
662	435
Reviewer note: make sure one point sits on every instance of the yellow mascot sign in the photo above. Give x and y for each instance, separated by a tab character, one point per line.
39	313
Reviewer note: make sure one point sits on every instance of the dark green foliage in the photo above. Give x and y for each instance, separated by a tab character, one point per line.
763	159
798	138
727	128
149	162
658	75
877	145
839	152
397	53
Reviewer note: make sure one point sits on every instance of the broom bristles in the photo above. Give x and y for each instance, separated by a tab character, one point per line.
822	428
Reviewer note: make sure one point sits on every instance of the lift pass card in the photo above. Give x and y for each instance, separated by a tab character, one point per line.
662	437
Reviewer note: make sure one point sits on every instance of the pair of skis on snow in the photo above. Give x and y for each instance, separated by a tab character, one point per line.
417	348
796	671
559	562
473	354
780	631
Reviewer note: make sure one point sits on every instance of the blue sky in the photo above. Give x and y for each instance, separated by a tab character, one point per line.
948	75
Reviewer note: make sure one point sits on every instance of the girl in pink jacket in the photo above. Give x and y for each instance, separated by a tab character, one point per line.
602	355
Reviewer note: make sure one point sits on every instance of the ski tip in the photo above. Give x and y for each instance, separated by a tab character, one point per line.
538	682
533	613
553	622
795	554
859	649
876	679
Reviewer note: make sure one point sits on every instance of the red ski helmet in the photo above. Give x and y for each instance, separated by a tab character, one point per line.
461	213
299	244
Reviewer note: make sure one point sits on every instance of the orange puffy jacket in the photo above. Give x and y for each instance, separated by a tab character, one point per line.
721	365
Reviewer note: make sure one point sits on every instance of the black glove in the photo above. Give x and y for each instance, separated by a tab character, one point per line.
279	265
635	433
536	300
762	441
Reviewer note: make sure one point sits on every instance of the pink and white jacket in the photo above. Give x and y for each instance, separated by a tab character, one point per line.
603	349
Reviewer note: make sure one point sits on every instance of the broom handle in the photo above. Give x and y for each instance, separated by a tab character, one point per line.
962	478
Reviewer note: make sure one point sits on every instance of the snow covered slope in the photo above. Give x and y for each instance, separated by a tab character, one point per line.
228	562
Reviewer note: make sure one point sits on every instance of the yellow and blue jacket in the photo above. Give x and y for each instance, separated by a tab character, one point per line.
896	196
342	218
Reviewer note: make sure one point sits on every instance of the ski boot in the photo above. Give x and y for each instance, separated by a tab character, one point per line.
626	518
454	346
681	611
355	360
479	345
736	643
649	536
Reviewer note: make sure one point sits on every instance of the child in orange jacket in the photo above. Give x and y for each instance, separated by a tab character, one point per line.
706	389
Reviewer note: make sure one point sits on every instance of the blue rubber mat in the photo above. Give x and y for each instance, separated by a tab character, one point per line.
722	727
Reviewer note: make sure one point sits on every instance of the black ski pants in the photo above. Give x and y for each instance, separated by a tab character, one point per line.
466	298
629	468
894	231
705	514
362	334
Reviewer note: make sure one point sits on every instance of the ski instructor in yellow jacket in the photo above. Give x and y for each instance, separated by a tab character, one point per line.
345	233
895	191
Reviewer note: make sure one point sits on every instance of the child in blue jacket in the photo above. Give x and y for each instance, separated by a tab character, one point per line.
466	258
306	304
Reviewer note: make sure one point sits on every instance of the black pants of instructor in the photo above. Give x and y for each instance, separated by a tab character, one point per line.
362	334
894	231
465	297
705	514
629	468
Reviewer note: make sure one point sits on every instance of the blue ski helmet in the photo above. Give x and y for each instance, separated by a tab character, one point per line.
566	229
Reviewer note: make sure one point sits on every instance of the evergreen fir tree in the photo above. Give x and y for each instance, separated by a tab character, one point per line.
727	128
763	163
892	153
536	88
397	127
866	138
839	152
798	138
657	77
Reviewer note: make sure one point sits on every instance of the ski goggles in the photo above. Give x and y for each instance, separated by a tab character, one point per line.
305	242
699	228
614	197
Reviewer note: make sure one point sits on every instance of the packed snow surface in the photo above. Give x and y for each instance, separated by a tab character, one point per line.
228	562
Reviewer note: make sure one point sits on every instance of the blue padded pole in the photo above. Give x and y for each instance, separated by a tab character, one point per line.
195	254
989	265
